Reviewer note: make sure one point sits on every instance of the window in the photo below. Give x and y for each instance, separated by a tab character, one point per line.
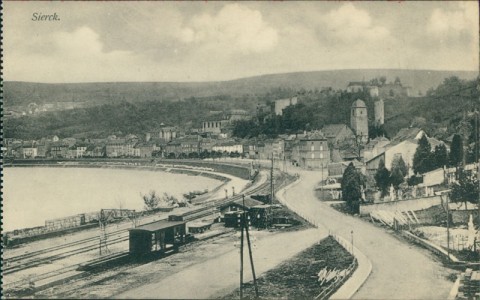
312	148
321	155
313	155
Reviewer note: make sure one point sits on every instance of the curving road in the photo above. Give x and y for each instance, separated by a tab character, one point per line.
400	270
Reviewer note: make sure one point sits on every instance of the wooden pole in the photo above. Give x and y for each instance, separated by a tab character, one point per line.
448	228
271	183
241	255
250	251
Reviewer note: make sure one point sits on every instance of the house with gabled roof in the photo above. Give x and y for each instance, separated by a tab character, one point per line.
337	134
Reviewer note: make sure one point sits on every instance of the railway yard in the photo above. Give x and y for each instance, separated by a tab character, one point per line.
61	266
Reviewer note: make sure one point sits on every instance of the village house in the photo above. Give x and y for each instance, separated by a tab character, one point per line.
374	147
229	146
58	149
43	148
173	149
403	145
272	148
115	147
15	149
206	144
313	152
190	144
30	149
146	149
337	134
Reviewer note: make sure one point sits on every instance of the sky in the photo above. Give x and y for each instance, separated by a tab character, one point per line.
216	41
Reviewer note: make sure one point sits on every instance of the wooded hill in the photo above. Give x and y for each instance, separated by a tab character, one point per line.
23	93
440	112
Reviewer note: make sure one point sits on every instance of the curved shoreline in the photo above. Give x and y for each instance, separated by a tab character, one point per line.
224	179
173	170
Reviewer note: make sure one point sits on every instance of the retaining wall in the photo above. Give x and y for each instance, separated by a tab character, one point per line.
463	216
401	205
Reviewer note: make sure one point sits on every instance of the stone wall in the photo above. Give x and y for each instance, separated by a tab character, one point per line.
461	217
401	205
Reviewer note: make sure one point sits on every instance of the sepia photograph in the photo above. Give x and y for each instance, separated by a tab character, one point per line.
240	150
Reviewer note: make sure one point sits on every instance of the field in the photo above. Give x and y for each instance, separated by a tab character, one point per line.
297	277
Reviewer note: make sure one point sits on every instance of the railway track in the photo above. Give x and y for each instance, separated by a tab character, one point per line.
22	265
38	262
56	248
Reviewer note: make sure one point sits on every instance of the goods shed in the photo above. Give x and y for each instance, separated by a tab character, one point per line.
161	236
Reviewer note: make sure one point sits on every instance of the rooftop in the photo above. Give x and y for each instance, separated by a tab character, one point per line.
359	103
156	226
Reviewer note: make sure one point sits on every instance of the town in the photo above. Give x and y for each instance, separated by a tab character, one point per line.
241	150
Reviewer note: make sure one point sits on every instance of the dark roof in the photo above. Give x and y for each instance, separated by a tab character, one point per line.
359	103
314	136
406	134
156	226
333	130
249	202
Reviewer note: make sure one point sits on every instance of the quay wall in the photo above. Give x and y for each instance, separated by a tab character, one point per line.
193	167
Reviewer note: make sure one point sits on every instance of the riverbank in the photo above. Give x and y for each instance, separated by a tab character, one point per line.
238	169
119	198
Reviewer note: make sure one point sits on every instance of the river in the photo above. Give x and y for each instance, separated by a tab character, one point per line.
33	195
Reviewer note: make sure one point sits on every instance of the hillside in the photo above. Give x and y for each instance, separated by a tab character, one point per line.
22	93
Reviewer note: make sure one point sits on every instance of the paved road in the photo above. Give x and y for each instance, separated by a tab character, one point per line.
400	270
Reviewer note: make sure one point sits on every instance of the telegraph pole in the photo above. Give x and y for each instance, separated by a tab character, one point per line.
241	253
272	189
448	227
250	248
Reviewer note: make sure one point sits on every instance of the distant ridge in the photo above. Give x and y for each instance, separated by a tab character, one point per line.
22	93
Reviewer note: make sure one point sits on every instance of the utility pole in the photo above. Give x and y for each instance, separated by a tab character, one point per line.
272	189
448	227
241	254
250	249
477	150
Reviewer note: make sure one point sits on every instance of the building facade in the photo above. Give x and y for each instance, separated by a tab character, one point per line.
313	152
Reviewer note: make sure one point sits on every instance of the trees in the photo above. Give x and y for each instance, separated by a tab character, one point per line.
151	201
351	191
383	80
382	178
422	159
456	151
440	156
398	173
466	189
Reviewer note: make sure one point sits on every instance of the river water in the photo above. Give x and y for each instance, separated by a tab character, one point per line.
33	195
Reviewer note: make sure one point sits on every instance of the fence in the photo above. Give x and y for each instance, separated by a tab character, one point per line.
332	287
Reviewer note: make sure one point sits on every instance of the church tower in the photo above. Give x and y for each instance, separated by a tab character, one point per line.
359	120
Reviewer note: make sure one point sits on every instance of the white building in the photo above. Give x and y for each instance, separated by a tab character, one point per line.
281	104
228	147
